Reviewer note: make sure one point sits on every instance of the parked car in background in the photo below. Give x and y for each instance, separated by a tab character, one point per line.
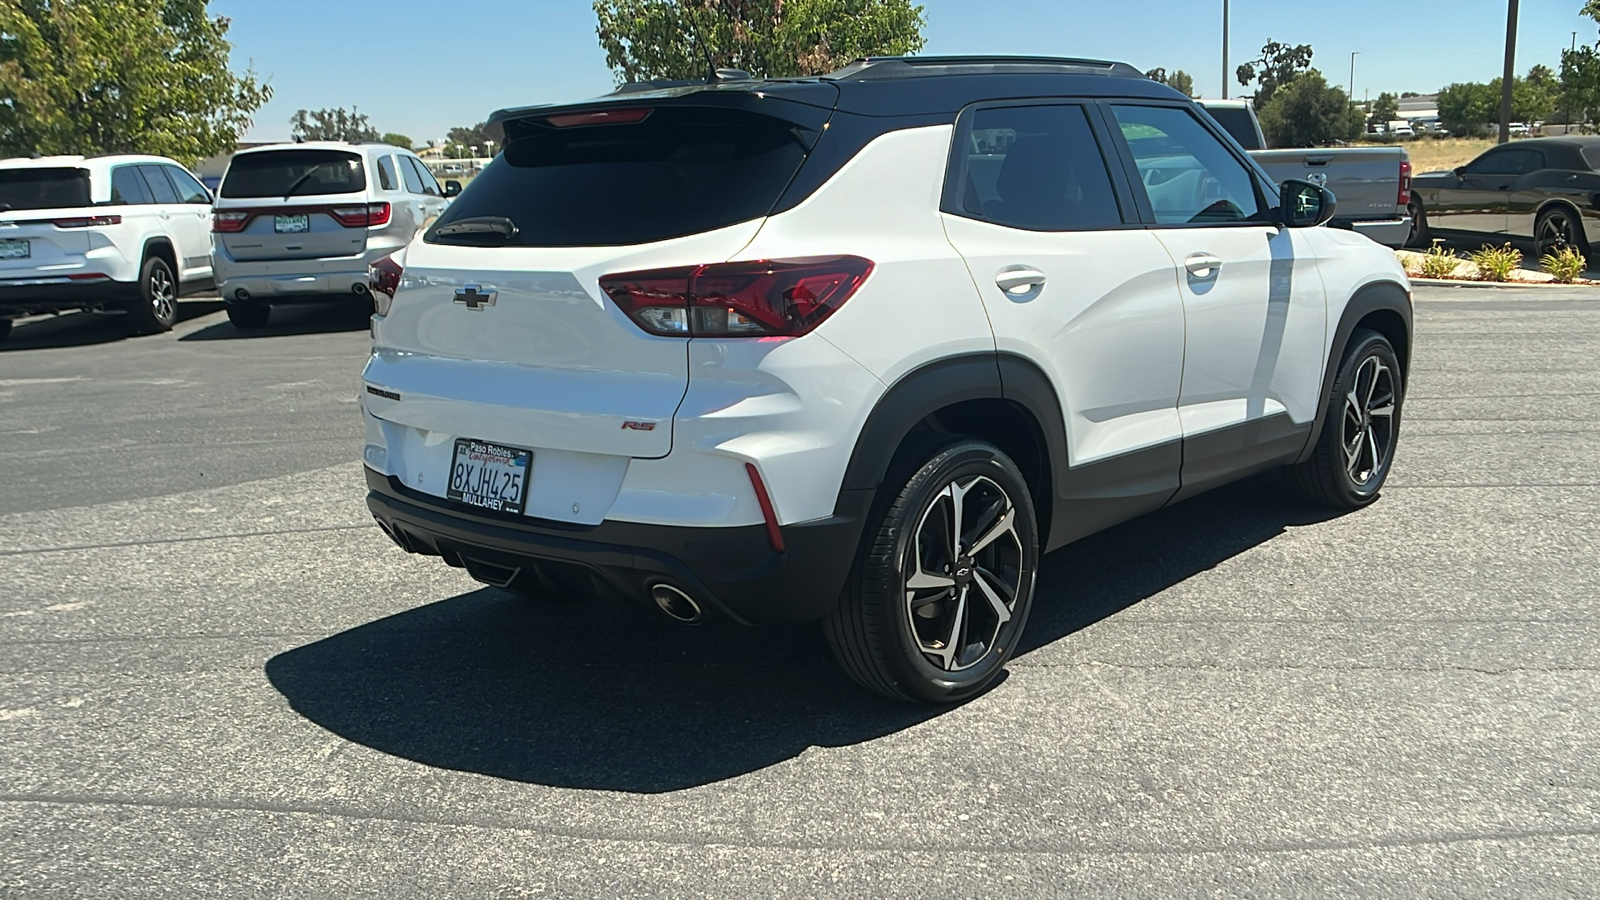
860	348
1372	184
300	223
124	234
1538	192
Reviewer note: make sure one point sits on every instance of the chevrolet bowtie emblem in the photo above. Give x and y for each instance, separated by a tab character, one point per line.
475	297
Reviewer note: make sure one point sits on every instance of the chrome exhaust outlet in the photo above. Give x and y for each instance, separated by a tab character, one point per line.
241	294
677	605
359	289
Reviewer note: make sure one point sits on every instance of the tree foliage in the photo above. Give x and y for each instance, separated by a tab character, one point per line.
120	76
332	125
1308	112
1279	64
1179	80
483	135
398	140
1385	109
684	39
1473	109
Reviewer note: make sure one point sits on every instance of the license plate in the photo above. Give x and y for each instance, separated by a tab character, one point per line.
490	476
14	249
291	224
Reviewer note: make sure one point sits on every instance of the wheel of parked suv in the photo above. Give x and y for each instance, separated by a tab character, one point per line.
5	329
248	313
1419	239
940	594
1359	433
156	308
1556	229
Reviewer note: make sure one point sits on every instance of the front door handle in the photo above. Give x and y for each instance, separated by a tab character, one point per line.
1203	265
1020	282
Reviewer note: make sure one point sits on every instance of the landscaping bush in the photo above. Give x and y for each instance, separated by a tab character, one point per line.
1496	263
1566	264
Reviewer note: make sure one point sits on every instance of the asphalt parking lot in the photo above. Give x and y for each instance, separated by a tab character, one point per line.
218	678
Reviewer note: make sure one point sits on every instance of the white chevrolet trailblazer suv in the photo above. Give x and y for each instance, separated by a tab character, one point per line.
119	233
300	223
860	348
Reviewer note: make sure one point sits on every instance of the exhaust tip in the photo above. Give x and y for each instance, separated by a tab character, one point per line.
241	294
677	605
359	289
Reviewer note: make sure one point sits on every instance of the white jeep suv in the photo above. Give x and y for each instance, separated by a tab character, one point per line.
860	348
300	223
115	233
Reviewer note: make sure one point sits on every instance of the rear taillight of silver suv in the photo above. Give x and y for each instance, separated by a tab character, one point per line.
760	298
354	215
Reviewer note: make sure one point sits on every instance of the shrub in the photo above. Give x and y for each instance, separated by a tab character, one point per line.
1496	263
1566	264
1439	262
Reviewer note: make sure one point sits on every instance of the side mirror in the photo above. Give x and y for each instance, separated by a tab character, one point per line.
452	188
1459	171
1302	204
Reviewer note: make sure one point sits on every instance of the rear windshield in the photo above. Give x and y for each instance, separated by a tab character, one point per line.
283	173
43	188
1236	121
678	171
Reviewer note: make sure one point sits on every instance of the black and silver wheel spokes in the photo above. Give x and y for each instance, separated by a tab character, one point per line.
1555	233
1368	436
162	294
965	572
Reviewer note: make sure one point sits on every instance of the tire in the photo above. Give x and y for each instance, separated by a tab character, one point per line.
1363	413
156	309
933	654
248	313
5	329
1420	238
1558	227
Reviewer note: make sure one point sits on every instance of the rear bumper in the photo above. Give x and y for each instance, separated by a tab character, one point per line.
294	280
732	570
26	296
1391	233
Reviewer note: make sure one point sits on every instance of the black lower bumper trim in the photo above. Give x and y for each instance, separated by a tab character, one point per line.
733	571
25	299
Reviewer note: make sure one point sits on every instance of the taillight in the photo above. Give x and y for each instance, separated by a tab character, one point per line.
384	278
229	221
361	216
86	221
1405	181
761	298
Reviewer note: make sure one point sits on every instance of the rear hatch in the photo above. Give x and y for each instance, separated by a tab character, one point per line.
500	329
295	203
45	218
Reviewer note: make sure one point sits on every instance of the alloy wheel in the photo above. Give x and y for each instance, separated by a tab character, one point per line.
1368	436
1555	233
162	295
966	571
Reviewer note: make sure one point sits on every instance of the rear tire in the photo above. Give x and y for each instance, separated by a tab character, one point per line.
156	309
1361	430
1558	228
248	313
933	612
1420	238
5	329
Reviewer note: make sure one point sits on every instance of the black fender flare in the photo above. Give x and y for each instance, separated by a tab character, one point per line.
1379	296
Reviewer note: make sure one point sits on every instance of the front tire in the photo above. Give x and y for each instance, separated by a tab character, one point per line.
941	591
156	309
1360	431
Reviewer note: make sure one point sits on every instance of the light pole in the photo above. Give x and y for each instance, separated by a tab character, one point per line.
1510	71
1352	94
1224	49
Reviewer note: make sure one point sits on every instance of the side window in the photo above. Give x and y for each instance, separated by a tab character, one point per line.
189	190
1506	162
1038	168
1186	171
409	172
160	187
386	178
128	187
429	186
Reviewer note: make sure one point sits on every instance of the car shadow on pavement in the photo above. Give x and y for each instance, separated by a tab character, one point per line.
81	329
605	696
311	318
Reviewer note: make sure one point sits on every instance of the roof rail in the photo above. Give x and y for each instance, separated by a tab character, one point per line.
871	68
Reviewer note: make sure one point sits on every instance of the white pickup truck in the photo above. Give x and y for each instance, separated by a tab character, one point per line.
1372	184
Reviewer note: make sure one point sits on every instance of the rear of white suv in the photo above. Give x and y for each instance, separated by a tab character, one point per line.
300	223
123	234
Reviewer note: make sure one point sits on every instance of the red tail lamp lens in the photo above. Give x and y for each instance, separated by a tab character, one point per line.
361	216
1405	182
601	117
383	276
760	298
86	221
230	221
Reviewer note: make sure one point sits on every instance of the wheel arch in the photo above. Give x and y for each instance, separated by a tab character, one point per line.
1384	307
1570	207
161	246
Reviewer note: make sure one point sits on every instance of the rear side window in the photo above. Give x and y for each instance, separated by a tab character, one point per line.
1188	174
43	188
284	173
128	187
386	173
1039	168
676	171
1507	162
160	187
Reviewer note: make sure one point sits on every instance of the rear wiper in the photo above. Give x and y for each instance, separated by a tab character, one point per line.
479	226
302	180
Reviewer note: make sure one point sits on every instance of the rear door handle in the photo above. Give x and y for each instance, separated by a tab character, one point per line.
1020	282
1203	265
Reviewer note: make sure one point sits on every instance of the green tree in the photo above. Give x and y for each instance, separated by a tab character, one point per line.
332	125
1385	109
1469	109
483	135
1179	81
684	39
1279	64
398	140
120	76
1307	112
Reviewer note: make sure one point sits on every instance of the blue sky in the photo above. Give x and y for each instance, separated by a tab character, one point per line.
419	67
